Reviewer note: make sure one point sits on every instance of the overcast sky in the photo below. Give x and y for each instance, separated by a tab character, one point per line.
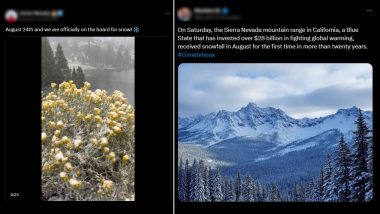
301	90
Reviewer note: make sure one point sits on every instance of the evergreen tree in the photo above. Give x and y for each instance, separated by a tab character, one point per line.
230	193
248	193
49	72
187	180
206	178
238	187
321	188
309	191
181	182
197	184
369	186
61	63
359	171
74	76
216	186
274	194
80	77
259	192
342	167
329	185
316	196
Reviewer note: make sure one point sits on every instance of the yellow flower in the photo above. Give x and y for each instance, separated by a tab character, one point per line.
93	141
121	112
112	155
86	85
98	119
65	159
97	111
106	150
107	184
116	129
103	142
43	136
113	160
42	119
88	117
59	156
68	167
53	85
59	114
46	167
77	143
51	124
80	115
55	140
65	140
125	158
60	124
63	176
113	115
57	132
131	116
110	133
112	123
78	173
117	104
75	184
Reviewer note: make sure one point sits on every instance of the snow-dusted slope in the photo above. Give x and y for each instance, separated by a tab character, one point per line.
253	121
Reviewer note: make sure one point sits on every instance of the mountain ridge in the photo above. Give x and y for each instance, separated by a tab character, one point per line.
252	120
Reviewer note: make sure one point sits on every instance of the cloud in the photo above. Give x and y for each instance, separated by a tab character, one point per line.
299	89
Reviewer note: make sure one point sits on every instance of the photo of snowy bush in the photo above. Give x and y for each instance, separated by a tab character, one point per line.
87	119
275	132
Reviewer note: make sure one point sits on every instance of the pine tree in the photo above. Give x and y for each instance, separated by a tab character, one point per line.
181	182
315	194
80	77
248	193
369	186
49	72
329	185
61	63
187	180
274	194
359	171
74	76
259	192
238	187
230	193
342	168
309	191
197	184
321	188
216	186
206	178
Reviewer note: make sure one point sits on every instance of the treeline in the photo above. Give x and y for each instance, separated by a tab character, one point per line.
348	176
345	178
200	183
54	66
103	56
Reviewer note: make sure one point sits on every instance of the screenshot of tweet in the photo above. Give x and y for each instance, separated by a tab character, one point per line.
273	105
78	86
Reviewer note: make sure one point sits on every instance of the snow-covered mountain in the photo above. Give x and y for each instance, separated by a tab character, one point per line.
268	123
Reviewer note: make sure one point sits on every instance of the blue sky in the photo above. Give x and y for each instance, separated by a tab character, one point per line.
301	90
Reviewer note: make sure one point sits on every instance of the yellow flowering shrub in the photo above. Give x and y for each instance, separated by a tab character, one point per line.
87	143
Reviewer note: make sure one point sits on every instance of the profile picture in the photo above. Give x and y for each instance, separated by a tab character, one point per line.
184	14
11	16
